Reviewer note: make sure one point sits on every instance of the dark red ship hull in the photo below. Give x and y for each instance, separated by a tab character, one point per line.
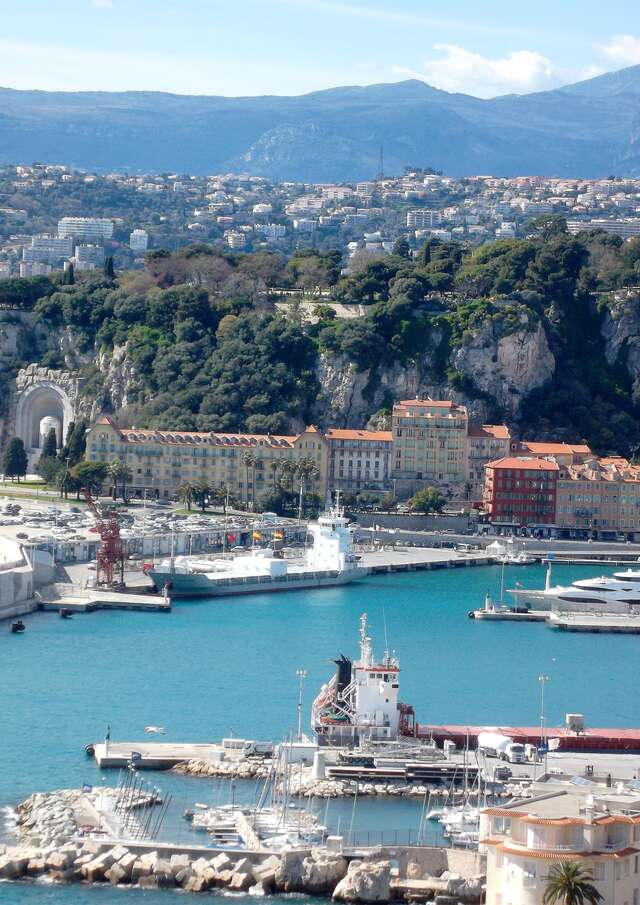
588	740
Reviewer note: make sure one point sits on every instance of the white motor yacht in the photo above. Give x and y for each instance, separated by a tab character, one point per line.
617	593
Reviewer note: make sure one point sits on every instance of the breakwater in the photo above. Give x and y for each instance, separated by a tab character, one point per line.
303	784
50	845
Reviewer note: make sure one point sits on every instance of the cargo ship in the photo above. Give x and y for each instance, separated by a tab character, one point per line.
329	561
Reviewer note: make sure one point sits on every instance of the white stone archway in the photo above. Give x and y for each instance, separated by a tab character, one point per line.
40	401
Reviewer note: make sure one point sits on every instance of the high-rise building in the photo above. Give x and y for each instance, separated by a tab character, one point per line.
88	257
85	228
47	250
423	218
139	240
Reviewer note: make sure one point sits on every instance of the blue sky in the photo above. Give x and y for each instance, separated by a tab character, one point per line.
294	46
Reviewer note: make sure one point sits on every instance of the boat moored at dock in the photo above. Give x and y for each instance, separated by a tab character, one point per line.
328	562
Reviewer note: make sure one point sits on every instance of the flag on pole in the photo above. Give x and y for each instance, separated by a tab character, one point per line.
278	534
107	736
257	535
554	744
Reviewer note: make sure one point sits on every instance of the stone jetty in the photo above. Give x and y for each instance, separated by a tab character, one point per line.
50	846
301	782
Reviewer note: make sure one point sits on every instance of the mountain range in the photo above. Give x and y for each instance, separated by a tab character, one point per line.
589	129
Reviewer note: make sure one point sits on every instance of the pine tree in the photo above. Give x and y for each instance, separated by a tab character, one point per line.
109	270
14	459
69	276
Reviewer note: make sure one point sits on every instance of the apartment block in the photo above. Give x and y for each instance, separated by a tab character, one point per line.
85	228
485	443
359	459
429	444
521	491
423	219
595	827
161	461
599	497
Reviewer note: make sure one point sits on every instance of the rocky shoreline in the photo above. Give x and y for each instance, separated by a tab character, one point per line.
50	846
303	784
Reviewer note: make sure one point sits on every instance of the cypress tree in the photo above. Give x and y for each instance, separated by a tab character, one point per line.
109	270
14	459
69	276
50	446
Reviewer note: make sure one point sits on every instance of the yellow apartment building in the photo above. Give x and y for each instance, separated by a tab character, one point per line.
162	461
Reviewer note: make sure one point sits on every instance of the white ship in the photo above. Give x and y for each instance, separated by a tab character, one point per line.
618	593
329	561
360	702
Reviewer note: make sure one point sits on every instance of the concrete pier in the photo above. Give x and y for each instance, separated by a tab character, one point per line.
609	623
153	755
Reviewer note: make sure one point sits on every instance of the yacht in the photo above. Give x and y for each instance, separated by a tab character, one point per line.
617	593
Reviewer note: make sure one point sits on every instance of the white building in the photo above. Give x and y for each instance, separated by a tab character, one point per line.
271	231
595	826
85	228
235	239
47	250
423	219
36	269
88	257
5	270
139	240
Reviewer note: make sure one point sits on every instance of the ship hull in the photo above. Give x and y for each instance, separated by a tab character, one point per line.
179	585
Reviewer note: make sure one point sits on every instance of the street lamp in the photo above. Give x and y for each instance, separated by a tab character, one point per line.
302	675
543	680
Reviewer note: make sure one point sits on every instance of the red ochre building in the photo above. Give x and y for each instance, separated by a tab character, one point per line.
521	491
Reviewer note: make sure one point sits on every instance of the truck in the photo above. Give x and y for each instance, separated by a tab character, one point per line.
494	744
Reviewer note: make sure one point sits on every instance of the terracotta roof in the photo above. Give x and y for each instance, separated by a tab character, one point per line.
524	464
336	433
181	438
555	449
430	403
498	431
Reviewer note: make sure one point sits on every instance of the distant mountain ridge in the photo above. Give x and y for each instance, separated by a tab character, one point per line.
589	129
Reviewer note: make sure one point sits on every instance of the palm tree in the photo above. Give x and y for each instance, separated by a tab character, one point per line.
570	884
306	468
120	473
201	493
249	462
274	468
186	493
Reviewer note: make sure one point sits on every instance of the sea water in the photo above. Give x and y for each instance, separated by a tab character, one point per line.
213	668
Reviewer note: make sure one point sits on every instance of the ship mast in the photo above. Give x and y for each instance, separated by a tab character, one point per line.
365	644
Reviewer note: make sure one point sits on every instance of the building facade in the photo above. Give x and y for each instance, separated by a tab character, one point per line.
521	491
485	443
598	498
525	840
89	228
429	444
162	461
359	459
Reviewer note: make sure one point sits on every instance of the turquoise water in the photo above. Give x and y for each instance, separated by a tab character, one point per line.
211	668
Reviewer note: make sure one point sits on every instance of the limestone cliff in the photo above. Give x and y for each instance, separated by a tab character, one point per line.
621	331
491	372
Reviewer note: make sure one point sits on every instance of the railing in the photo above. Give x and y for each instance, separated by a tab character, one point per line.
408	837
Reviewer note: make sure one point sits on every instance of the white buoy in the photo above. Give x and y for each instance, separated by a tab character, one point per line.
318	771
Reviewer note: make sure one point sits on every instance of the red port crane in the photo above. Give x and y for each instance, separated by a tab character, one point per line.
110	556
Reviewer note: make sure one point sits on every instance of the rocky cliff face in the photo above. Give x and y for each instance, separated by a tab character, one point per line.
495	373
621	332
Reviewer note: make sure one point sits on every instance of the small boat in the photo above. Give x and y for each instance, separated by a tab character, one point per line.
17	627
65	613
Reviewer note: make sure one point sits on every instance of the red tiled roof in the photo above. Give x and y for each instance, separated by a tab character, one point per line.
555	449
498	431
336	433
525	464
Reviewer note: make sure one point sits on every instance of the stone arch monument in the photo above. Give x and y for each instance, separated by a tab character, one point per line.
45	398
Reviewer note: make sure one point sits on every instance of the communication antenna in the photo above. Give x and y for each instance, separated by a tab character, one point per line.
386	638
380	175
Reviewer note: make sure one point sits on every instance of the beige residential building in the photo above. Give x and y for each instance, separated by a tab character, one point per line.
596	827
161	461
359	459
485	443
429	444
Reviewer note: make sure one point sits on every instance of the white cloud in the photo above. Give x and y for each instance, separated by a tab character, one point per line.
622	49
458	69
